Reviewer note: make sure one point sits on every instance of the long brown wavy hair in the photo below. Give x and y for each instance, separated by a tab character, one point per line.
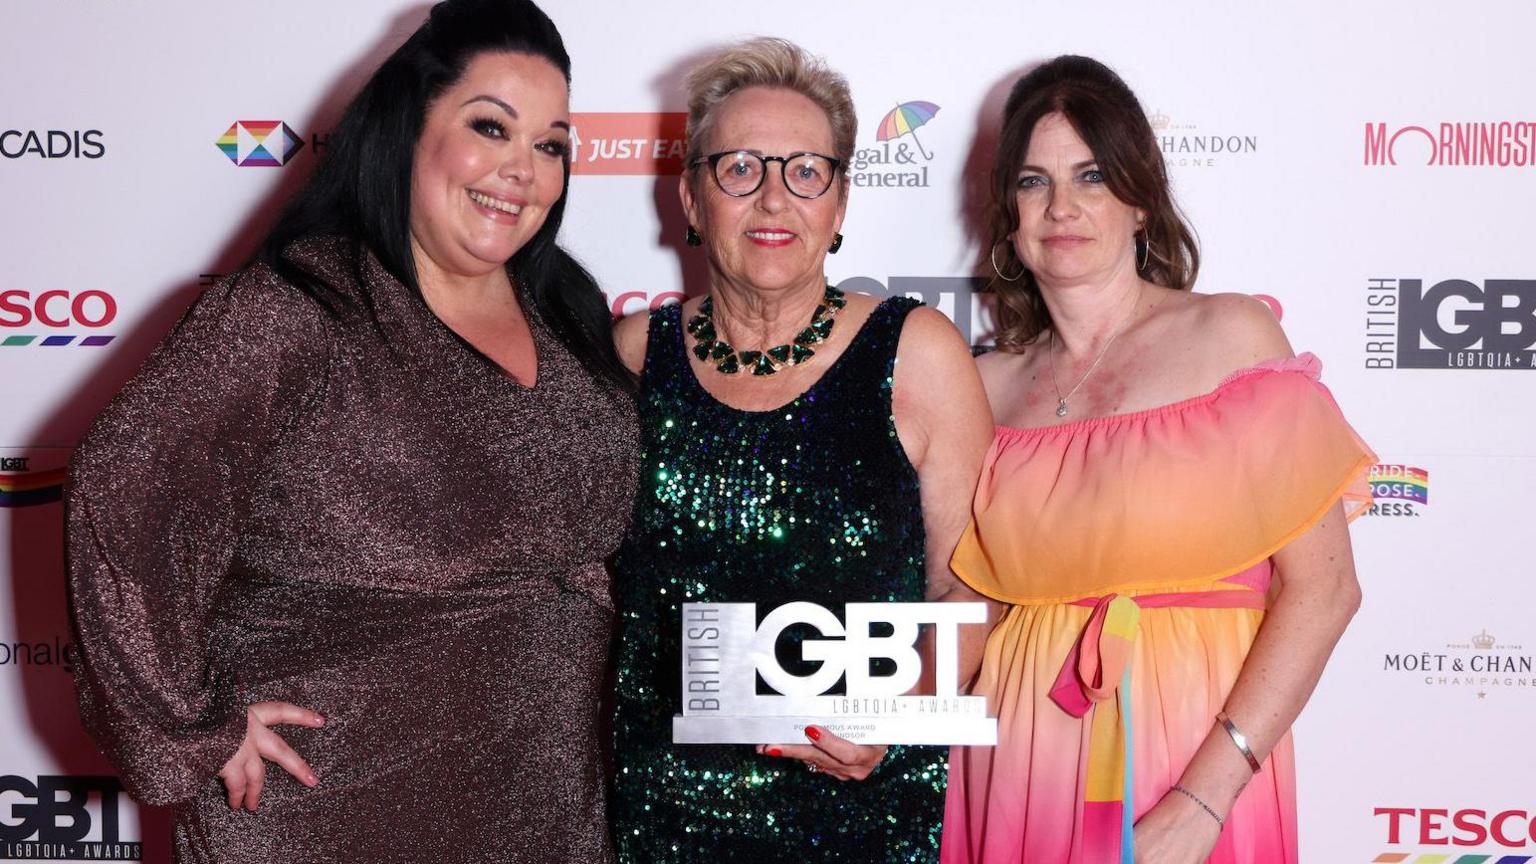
1110	120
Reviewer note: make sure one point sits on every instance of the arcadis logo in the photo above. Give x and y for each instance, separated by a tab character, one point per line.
628	144
63	818
52	144
1442	829
898	157
260	143
1496	144
1450	324
1399	490
55	318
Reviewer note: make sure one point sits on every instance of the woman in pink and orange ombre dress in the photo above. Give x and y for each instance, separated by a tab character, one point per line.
1163	510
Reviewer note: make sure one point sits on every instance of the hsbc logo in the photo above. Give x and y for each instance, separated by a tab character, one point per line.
260	143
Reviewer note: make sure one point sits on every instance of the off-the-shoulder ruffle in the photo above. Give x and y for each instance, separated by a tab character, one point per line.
1163	499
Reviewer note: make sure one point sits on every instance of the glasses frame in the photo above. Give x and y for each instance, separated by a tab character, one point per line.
714	161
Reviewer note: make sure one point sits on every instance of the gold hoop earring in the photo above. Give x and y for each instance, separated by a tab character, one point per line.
1146	253
998	270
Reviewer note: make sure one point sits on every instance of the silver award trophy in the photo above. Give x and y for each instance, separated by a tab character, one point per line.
725	651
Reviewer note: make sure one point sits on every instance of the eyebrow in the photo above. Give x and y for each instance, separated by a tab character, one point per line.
1078	167
512	112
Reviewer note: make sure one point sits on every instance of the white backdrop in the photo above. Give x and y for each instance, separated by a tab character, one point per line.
1282	126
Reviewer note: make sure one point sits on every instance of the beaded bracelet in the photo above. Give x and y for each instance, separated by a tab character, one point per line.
1220	822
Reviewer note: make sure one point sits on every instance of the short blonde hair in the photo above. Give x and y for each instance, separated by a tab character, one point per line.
769	62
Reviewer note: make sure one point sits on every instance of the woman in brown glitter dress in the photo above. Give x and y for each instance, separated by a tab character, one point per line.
351	517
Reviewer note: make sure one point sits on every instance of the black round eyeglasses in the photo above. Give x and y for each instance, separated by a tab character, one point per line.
740	172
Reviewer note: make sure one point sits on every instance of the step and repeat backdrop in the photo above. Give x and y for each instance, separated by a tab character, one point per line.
1368	168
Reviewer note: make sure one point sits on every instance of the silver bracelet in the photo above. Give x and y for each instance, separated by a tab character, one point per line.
1220	822
1239	739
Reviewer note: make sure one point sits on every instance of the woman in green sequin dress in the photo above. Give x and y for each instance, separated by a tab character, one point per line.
788	455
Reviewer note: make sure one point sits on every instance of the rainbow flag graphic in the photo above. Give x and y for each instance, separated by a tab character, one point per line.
32	488
1404	482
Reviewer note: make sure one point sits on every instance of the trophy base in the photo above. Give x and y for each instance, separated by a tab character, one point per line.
936	731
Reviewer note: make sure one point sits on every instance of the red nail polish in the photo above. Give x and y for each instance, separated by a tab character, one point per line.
774	751
813	733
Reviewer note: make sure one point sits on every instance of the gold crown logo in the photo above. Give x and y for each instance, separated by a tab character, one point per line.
1482	641
1159	120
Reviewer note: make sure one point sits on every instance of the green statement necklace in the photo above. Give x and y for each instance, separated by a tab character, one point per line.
710	348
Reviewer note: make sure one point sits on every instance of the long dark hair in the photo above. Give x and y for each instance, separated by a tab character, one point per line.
1110	120
361	190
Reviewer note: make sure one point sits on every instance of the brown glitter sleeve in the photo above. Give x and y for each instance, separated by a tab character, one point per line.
153	514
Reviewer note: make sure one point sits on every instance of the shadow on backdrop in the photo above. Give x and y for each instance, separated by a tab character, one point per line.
976	190
692	261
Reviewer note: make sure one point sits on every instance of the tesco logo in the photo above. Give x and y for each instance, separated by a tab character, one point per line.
57	308
1431	826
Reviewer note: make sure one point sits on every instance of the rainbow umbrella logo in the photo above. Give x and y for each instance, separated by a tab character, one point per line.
905	119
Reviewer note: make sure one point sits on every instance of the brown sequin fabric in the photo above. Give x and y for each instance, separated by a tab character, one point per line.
363	516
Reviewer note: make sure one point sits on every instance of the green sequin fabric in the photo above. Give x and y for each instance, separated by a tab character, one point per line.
814	501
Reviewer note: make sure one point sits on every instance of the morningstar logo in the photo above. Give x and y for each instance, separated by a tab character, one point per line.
62	818
55	318
1500	144
260	143
1450	324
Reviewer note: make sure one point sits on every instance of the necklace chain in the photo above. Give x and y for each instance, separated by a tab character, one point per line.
710	348
1050	357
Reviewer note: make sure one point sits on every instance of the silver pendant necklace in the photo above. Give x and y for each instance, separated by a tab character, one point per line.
1050	356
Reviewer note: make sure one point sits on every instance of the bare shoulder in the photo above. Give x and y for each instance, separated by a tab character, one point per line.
940	406
931	353
1235	331
1000	370
928	330
629	337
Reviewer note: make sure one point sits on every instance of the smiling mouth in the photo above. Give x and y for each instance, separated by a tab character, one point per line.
495	203
770	238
